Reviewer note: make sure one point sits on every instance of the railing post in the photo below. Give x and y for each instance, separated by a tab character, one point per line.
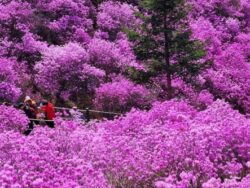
87	115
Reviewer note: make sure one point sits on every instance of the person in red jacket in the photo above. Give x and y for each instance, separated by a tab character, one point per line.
49	111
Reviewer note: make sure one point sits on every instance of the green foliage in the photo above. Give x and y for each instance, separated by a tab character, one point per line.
166	41
132	35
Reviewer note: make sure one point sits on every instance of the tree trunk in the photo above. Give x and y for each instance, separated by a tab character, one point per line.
94	16
167	59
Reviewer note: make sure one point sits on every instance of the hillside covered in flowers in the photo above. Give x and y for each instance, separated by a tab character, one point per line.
177	72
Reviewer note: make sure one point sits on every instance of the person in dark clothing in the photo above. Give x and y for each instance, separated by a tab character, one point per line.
30	110
19	105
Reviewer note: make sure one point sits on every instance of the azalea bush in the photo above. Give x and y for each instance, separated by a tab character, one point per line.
61	47
222	26
53	75
9	90
176	144
121	95
183	94
115	15
12	119
171	145
44	160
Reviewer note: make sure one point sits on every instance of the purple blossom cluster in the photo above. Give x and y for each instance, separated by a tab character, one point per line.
79	50
171	145
121	95
64	46
9	90
53	70
45	159
177	146
12	120
224	27
115	15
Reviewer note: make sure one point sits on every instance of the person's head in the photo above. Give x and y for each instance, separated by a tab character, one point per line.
44	102
27	100
33	102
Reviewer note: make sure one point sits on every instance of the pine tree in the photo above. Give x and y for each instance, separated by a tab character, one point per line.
167	43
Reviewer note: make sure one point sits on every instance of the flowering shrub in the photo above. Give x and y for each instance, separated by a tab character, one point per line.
114	15
113	57
121	95
12	120
174	141
199	99
44	160
221	25
57	42
171	145
70	48
8	79
53	74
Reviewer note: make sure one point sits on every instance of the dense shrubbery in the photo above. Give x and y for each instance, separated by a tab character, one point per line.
172	145
45	159
65	48
12	119
111	55
68	49
173	140
222	26
8	81
121	95
54	70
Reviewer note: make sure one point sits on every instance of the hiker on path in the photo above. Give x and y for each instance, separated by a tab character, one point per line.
30	110
76	114
49	111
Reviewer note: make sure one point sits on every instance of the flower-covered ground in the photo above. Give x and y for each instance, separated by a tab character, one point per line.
171	145
178	71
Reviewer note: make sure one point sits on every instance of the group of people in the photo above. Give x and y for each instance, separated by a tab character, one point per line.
45	110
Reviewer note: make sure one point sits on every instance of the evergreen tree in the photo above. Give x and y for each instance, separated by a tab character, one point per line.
166	42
